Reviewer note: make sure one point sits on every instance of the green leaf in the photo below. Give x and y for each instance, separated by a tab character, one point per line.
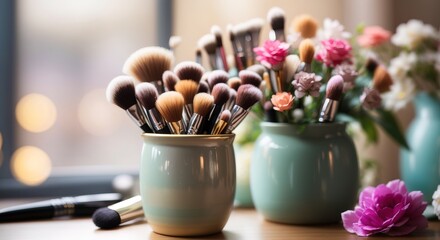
369	128
390	125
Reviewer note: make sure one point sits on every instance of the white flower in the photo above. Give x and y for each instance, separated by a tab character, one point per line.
413	33
401	92
332	29
400	65
436	201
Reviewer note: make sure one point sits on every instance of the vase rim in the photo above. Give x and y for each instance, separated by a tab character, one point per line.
188	136
276	124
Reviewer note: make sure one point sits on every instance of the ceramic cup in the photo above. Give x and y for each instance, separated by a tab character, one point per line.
187	182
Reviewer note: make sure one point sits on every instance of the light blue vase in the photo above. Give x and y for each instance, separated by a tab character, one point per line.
304	175
420	166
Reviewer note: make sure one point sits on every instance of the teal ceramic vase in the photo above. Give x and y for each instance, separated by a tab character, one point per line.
420	165
187	183
304	174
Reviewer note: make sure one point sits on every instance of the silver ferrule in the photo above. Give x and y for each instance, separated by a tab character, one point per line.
301	67
238	114
328	110
194	124
186	115
137	114
128	209
63	206
156	119
176	127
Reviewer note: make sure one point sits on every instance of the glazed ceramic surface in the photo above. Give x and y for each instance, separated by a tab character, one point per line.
304	175
420	166
187	183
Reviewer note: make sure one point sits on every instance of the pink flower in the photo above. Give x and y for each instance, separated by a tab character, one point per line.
370	99
306	83
333	52
282	101
388	209
272	54
373	36
348	73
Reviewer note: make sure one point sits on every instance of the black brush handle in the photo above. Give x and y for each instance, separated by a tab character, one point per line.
213	116
146	128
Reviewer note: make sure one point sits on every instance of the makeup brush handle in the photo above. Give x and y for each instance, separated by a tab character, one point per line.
216	110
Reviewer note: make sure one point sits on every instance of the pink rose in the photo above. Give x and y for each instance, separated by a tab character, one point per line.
388	209
272	54
373	36
282	101
333	52
370	99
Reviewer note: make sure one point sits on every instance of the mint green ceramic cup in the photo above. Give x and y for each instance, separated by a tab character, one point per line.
187	183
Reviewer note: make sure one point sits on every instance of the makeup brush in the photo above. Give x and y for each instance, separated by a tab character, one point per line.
250	77
217	76
203	103
148	64
220	50
118	213
208	43
292	65
188	70
381	79
121	92
170	106
247	95
169	79
306	53
243	37
237	48
231	101
222	123
203	87
257	68
234	83
147	94
188	89
220	92
254	28
335	86
275	17
198	56
306	25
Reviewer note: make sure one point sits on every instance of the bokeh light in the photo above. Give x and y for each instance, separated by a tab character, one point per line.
96	115
35	112
30	165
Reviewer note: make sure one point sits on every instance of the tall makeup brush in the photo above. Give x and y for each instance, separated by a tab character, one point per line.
170	106
203	103
234	83
231	101
216	77
169	79
220	92
188	89
250	77
243	37
222	122
257	68
381	79
247	95
306	53
148	64
208	43
121	92
306	25
203	87
198	56
188	70
335	87
292	65
237	49
275	17
147	94
220	50
254	28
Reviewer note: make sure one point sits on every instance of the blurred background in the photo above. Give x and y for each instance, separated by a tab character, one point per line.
58	133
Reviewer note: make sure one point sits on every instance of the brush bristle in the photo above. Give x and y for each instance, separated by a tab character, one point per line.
382	80
257	68
188	70
121	92
335	87
234	82
203	87
225	115
306	25
208	43
217	32
255	24
203	103
275	17
174	41
220	92
149	63
248	95
217	76
188	89
291	65
106	218
170	79
147	94
250	77
307	50
170	106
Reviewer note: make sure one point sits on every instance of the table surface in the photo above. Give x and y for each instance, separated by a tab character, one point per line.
242	224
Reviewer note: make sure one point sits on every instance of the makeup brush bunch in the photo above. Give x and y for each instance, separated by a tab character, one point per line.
309	76
184	100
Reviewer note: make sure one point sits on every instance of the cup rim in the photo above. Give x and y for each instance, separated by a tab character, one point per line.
192	136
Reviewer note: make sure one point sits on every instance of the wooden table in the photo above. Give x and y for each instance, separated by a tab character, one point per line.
242	224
